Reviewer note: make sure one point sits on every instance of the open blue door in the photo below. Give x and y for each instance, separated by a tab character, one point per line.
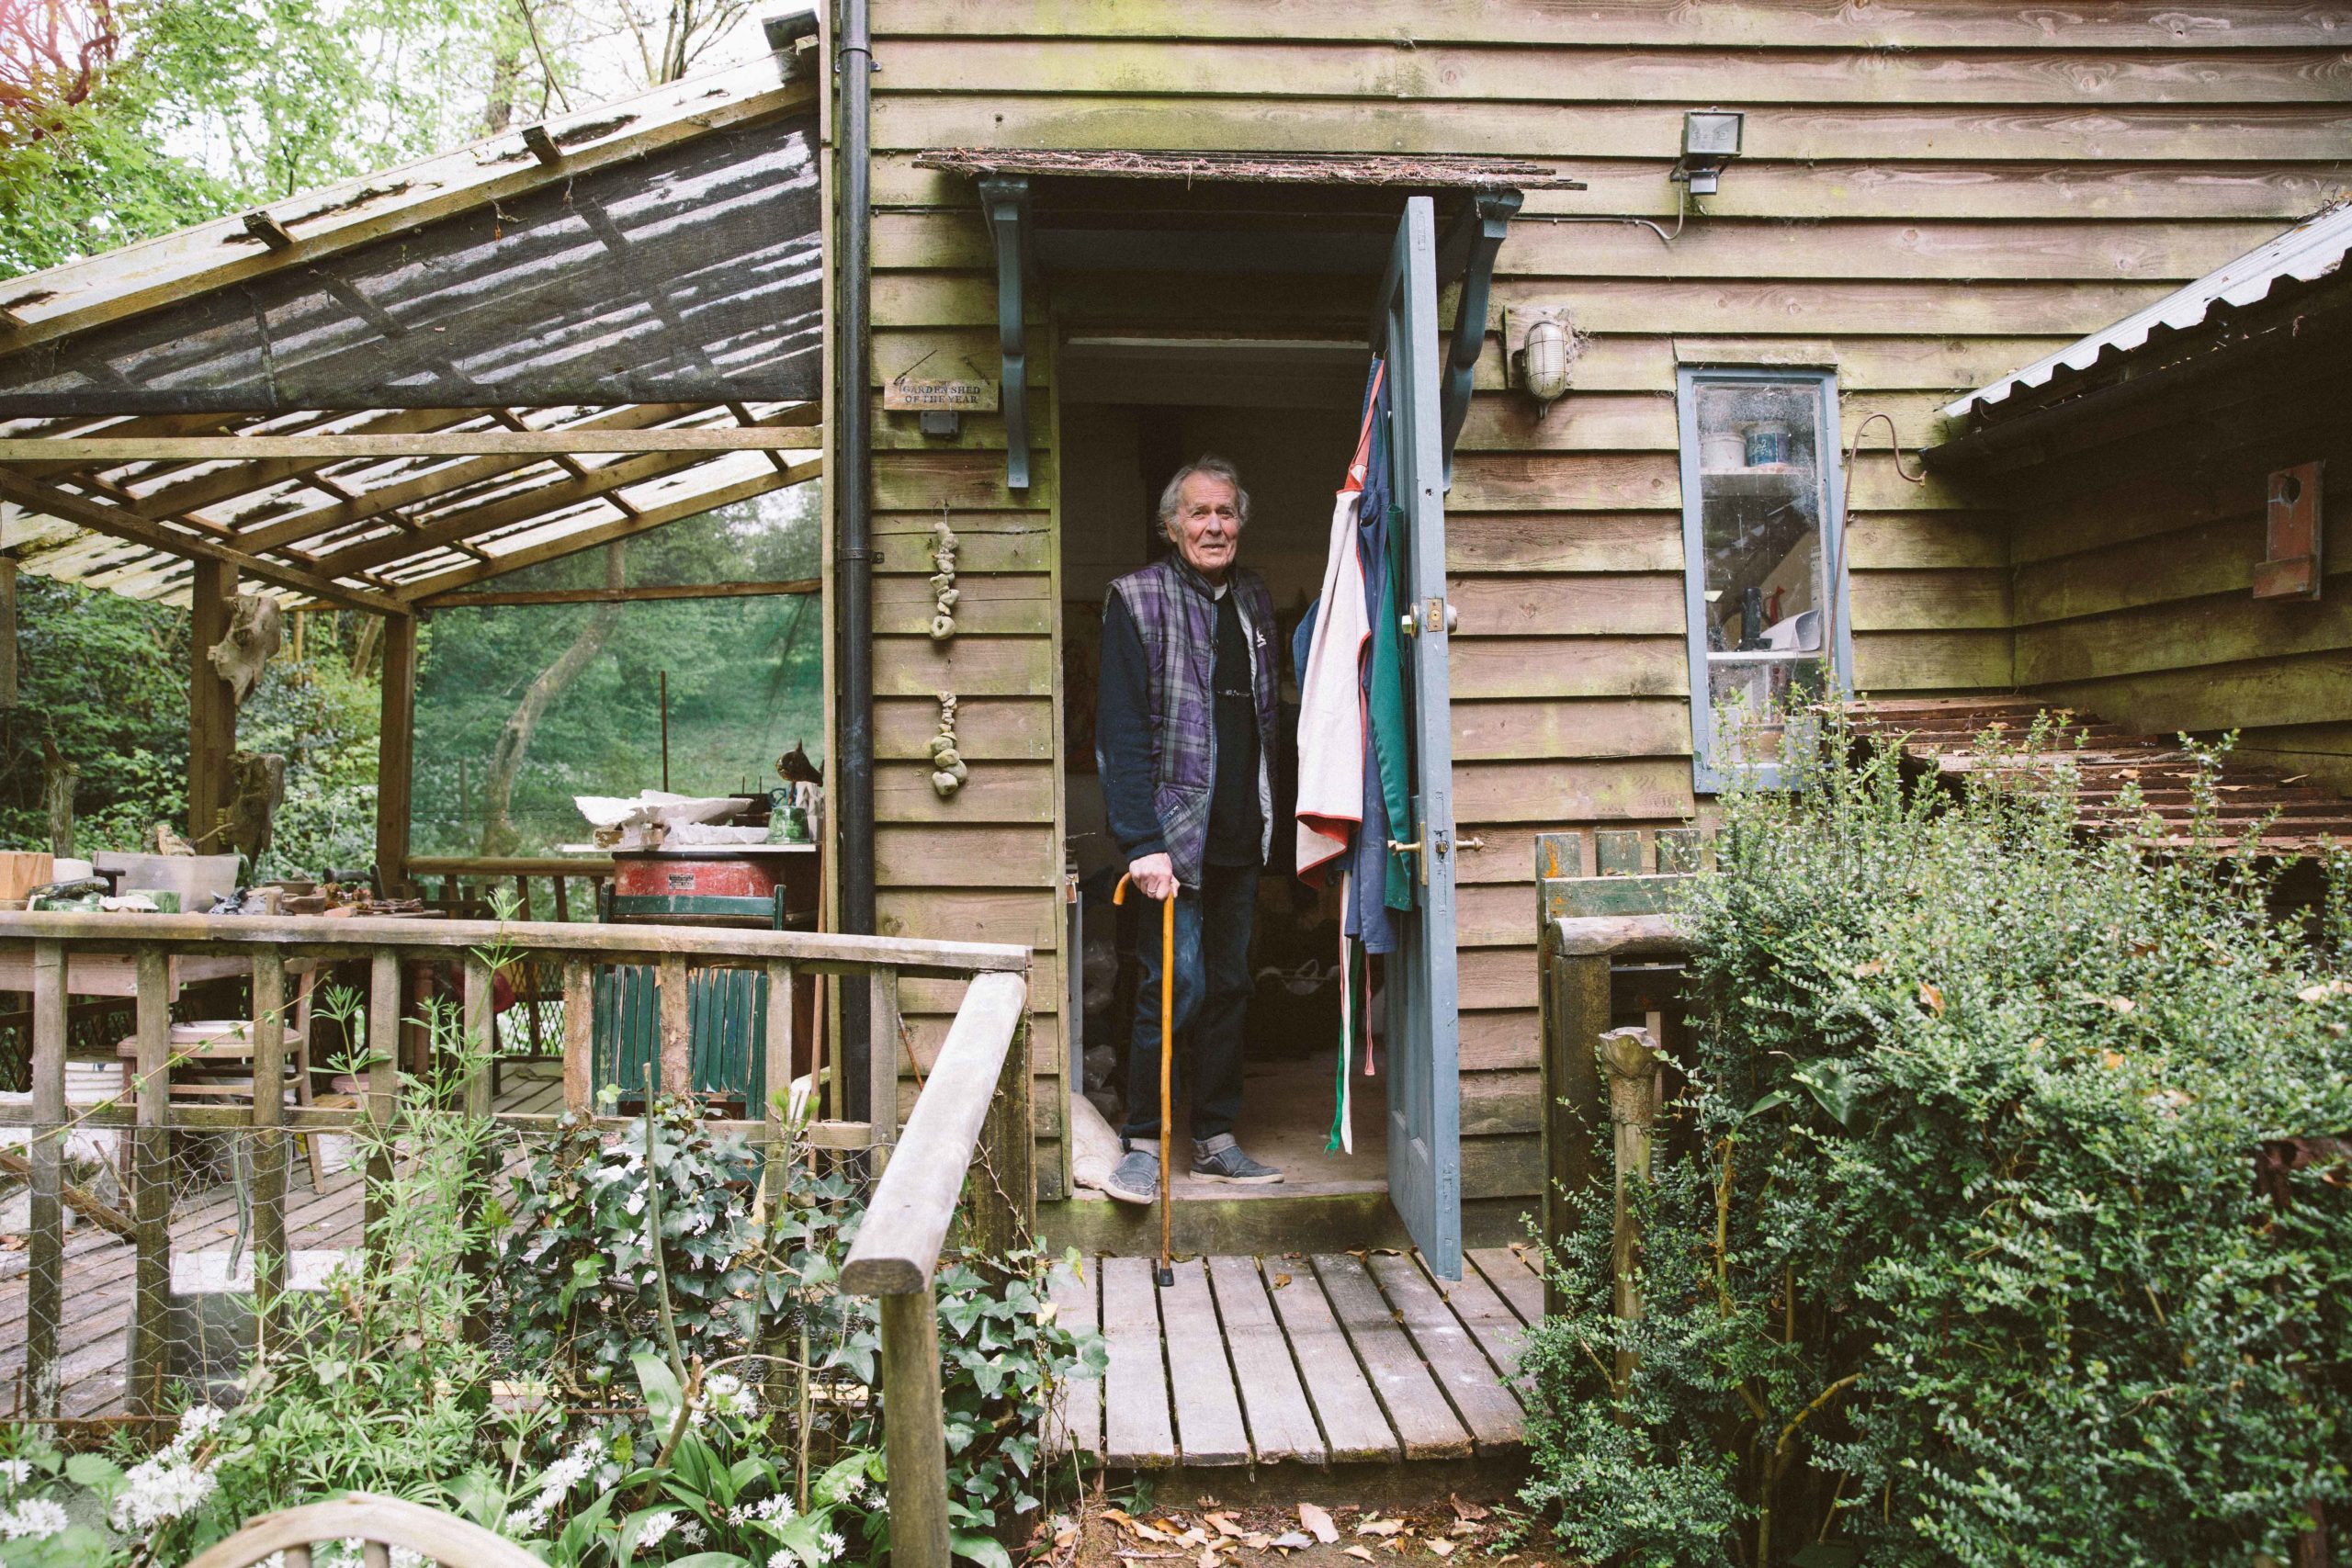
1424	1021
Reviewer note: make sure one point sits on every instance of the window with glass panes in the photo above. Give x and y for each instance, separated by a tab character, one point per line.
1762	558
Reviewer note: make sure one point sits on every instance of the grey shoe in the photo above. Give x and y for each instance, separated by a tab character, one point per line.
1221	1160
1136	1179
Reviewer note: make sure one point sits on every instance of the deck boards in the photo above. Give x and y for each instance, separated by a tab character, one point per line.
1137	1429
1344	1403
1415	1405
1209	1410
1514	1277
1078	1425
1454	1358
1282	1424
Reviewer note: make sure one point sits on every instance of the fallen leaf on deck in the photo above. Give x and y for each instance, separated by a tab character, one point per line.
1380	1527
1364	1552
1442	1547
1257	1541
1318	1521
1147	1531
1194	1536
1207	1558
1281	1280
1291	1540
1462	1510
1224	1525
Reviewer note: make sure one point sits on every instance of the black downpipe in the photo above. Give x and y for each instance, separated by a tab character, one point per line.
853	539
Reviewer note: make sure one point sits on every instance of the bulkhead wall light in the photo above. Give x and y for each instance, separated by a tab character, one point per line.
1710	138
1541	345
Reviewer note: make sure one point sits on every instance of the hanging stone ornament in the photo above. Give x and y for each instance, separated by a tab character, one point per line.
947	769
942	581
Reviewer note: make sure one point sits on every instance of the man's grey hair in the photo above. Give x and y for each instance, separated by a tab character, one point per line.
1216	468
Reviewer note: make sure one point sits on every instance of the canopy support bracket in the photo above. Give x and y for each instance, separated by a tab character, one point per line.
1004	199
1478	235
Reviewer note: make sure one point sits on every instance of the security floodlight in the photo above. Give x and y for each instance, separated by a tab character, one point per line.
1710	140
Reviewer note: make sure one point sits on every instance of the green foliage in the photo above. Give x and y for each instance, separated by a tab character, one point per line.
55	1508
1956	1251
746	681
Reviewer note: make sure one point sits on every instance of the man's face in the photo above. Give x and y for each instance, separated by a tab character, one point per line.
1207	529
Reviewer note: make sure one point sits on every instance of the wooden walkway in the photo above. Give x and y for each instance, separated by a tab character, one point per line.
94	1340
1321	1359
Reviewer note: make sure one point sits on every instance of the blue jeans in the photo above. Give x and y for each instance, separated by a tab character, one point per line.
1213	985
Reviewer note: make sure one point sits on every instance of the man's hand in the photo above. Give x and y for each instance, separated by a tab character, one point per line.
1154	876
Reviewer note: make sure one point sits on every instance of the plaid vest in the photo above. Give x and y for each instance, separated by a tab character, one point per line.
1175	611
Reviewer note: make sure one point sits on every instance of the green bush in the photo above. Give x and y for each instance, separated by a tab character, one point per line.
1956	1249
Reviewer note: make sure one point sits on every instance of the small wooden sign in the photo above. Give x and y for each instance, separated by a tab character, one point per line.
2292	536
966	396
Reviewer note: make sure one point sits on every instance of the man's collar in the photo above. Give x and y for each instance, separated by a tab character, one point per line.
1190	574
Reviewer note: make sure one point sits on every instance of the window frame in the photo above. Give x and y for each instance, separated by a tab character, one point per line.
1710	774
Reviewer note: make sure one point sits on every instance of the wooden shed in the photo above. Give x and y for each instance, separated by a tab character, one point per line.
1143	230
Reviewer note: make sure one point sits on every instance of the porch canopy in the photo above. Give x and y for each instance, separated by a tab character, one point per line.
1335	215
378	395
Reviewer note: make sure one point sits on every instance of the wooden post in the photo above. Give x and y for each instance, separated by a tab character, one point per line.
1631	1057
579	1034
268	1142
58	777
211	709
45	1281
150	1186
677	1045
481	1034
882	1056
527	991
1573	994
914	1430
777	1082
383	1092
1004	1191
8	629
396	752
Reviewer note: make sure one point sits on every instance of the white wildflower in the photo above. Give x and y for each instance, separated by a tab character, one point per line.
691	1533
656	1526
831	1544
16	1471
35	1518
198	1421
160	1489
783	1559
775	1510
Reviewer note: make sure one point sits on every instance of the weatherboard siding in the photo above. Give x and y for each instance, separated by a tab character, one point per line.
1940	195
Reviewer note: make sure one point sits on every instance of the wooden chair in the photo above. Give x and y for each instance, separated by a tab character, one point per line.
381	1523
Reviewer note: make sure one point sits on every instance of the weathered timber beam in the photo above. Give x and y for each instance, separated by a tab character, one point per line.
629	595
239	935
467	444
116	523
510	865
75	1199
916	1199
605	534
191	487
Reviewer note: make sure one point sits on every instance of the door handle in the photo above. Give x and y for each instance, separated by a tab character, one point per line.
1469	843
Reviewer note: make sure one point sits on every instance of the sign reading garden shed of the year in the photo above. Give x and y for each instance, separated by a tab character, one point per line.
910	394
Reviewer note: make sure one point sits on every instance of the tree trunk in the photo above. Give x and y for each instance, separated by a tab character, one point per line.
56	796
498	835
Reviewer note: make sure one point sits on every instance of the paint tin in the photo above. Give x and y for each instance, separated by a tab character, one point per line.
1767	445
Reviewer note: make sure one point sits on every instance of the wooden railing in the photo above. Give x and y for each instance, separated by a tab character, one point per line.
156	945
976	1098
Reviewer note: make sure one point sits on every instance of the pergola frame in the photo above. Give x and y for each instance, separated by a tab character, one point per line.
397	510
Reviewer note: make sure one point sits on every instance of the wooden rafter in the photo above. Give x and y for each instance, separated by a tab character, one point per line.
789	587
122	524
424	589
702	439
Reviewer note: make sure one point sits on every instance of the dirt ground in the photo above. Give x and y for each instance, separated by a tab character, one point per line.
1202	1532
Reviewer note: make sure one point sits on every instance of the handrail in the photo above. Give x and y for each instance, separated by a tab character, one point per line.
360	935
896	1251
143	951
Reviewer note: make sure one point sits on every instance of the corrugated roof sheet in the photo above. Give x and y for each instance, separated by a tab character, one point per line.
2311	250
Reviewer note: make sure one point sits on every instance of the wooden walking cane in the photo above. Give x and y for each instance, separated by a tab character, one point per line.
1167	1276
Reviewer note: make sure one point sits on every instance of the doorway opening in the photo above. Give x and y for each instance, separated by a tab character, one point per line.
1130	413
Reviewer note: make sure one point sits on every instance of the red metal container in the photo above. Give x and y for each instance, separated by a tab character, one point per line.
677	877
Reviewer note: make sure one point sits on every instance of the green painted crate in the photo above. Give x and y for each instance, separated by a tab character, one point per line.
726	1021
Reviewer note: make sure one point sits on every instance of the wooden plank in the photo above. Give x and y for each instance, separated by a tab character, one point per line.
1461	1369
775	1084
269	1143
1570	727
1569	667
1968	189
395	750
1451	72
211	705
990	606
45	1273
1345	1402
953	856
1029	917
1774	24
1898	131
377	447
1497	1328
151	1188
1548	542
676	1034
1934	661
1136	1430
1282	1424
1930	601
1209	1410
980	667
578	1032
1549	791
641	594
1615	604
1075	1425
1514	1278
1415	1406
916	1451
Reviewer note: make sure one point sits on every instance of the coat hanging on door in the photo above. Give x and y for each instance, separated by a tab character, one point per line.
1352	795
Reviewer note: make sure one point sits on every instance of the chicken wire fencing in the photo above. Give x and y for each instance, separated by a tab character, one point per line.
208	1261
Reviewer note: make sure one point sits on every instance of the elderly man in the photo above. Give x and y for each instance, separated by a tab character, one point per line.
1184	740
